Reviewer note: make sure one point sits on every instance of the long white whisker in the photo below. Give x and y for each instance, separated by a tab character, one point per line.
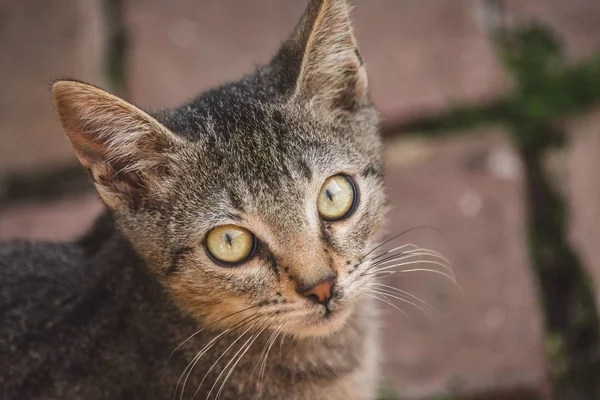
413	248
385	269
433	253
403	292
205	327
389	303
281	344
398	235
431	262
434	271
262	353
261	373
387	294
247	347
194	361
206	348
406	256
376	256
221	356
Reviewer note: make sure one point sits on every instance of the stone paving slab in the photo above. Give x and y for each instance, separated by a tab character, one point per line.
422	56
583	185
425	56
576	21
490	338
179	48
40	41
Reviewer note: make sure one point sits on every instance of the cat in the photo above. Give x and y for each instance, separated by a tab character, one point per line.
231	259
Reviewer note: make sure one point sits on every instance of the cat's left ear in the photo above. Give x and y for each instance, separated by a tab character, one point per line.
129	154
320	62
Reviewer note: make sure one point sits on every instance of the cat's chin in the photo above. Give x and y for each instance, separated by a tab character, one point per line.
323	325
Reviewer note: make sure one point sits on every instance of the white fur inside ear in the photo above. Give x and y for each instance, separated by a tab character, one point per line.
111	128
112	138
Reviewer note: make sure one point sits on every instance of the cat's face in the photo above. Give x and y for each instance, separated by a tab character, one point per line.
256	202
248	220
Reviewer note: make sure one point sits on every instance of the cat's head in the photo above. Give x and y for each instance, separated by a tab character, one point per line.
256	201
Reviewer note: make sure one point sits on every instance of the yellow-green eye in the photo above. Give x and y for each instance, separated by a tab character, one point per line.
230	244
337	199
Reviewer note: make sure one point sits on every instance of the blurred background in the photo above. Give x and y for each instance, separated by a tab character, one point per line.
492	136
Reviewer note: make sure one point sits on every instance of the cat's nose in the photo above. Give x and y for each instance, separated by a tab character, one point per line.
321	292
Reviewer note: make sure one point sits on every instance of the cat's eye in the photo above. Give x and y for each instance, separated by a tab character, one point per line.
337	199
230	244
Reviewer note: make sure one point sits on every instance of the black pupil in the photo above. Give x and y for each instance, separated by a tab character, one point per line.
329	194
228	238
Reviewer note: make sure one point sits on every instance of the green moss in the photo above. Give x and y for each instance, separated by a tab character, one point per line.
546	92
546	89
386	392
116	45
555	351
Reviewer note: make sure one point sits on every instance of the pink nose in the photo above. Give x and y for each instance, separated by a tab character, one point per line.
320	293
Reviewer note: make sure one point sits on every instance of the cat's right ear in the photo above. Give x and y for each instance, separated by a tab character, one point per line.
320	62
128	153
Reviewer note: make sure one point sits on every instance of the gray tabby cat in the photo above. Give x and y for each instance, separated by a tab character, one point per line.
231	260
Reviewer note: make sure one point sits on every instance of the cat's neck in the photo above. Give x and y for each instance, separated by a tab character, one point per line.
99	235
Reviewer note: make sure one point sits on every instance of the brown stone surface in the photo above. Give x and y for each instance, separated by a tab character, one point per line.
182	47
584	190
421	55
490	337
59	220
424	56
40	41
576	21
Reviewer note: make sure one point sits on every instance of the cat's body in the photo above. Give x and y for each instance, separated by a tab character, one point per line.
241	221
101	327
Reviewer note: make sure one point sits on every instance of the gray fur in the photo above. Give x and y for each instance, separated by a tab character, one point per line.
99	318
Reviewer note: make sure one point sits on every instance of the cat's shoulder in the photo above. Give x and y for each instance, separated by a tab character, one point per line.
44	258
32	269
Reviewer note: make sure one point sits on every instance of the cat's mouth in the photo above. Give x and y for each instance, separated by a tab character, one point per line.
325	321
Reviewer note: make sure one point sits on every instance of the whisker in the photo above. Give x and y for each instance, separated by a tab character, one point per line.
389	303
435	271
400	234
404	256
192	364
262	353
431	262
387	294
229	362
206	348
266	349
383	269
413	246
261	373
419	250
365	257
205	327
221	356
403	292
281	344
380	274
239	359
247	347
